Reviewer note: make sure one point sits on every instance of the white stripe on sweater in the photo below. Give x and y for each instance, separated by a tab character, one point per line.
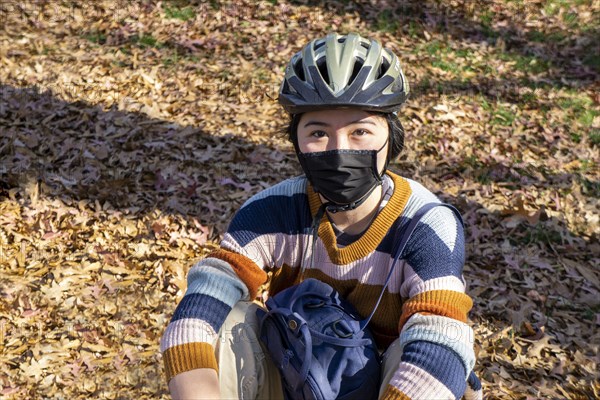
417	383
187	330
414	285
448	332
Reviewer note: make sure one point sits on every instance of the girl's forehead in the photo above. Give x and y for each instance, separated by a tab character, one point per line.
341	117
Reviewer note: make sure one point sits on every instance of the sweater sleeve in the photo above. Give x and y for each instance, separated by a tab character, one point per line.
436	341
232	273
189	340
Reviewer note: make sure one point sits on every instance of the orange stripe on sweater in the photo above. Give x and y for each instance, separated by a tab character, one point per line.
446	303
245	268
188	356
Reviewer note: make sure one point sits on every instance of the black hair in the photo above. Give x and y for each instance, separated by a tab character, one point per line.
395	128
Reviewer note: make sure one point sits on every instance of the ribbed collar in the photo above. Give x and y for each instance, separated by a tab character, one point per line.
373	235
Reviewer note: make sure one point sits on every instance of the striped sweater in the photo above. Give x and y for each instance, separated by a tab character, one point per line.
425	303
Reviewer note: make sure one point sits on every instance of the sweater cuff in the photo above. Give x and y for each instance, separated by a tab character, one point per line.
189	356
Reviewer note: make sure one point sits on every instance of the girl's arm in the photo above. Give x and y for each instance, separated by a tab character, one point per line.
198	384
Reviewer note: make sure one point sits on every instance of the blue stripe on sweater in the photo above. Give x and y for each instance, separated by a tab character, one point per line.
288	215
442	363
423	243
431	257
202	307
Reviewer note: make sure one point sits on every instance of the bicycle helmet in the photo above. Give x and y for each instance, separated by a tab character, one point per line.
343	71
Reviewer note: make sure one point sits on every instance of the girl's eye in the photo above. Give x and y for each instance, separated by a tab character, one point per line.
361	132
318	134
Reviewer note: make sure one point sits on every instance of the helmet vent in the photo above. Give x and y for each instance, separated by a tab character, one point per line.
383	68
299	70
322	65
357	67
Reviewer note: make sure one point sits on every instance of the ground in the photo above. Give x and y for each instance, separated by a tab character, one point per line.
131	132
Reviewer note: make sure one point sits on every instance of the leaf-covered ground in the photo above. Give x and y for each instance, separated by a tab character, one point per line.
130	134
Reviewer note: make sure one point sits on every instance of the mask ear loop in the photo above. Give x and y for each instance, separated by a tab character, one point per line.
390	140
387	158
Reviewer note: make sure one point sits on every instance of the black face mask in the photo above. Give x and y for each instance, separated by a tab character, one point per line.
343	177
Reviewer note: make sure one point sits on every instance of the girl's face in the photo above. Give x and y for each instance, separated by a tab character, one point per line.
343	129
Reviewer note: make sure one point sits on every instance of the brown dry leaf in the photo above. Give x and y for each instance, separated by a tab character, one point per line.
585	271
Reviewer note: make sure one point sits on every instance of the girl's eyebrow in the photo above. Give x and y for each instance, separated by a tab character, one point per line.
321	123
315	123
